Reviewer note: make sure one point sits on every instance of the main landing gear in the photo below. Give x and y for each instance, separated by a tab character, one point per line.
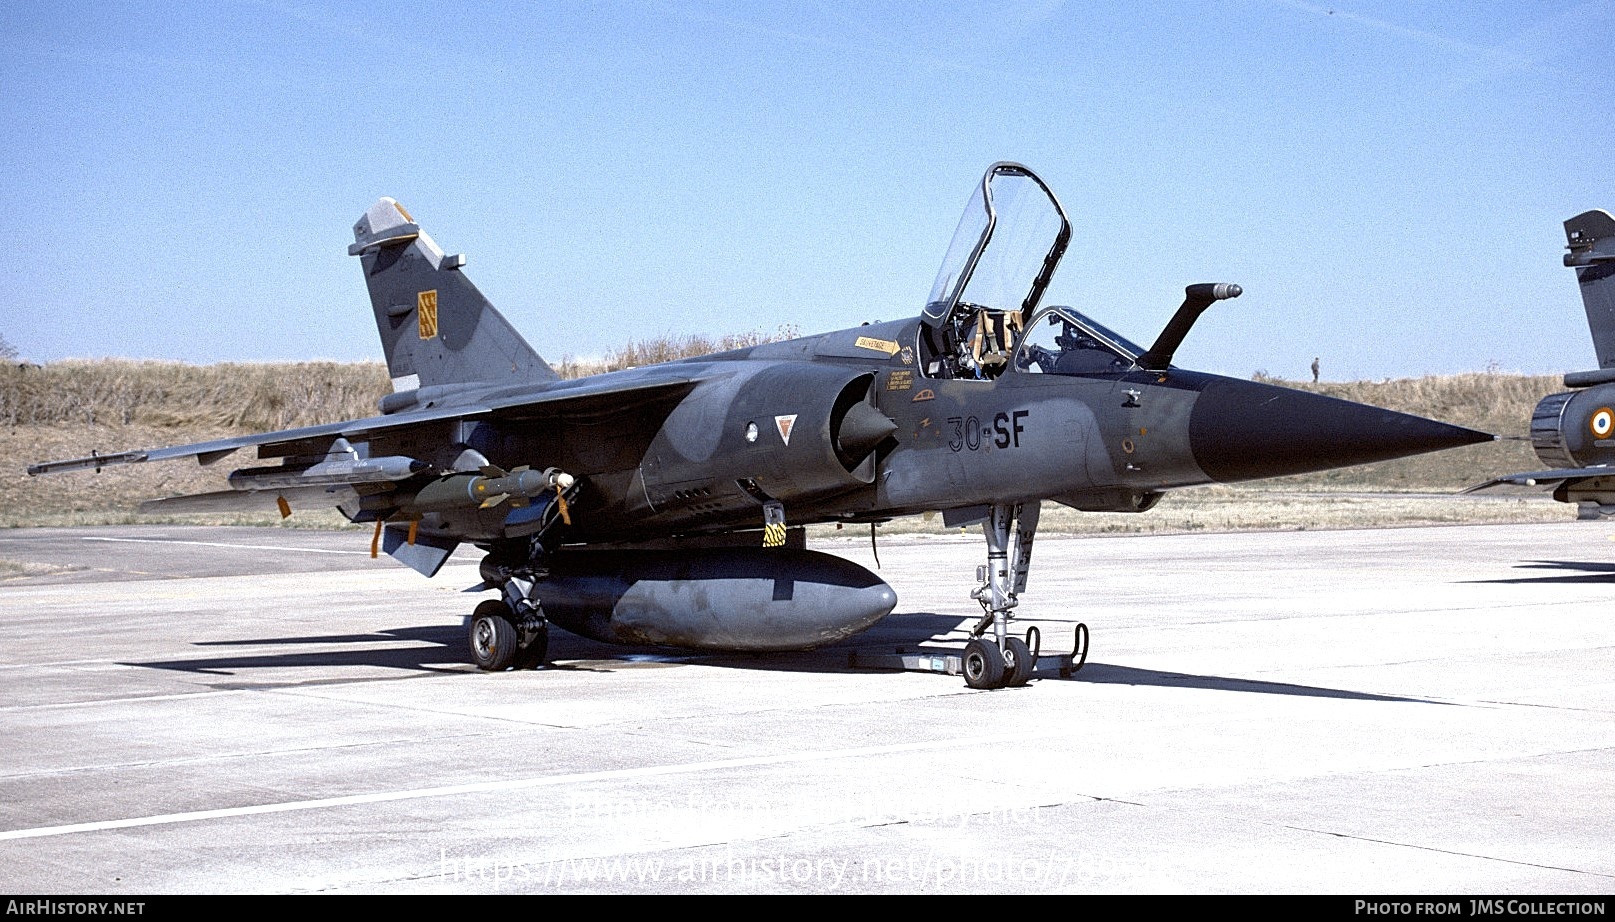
993	658
510	632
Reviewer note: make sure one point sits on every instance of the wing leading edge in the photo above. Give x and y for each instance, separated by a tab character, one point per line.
563	399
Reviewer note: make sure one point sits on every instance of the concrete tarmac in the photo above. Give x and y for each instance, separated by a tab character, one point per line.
231	710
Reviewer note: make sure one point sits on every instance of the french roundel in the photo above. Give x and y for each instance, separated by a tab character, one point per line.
1603	422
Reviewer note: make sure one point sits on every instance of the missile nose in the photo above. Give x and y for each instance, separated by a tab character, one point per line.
1245	430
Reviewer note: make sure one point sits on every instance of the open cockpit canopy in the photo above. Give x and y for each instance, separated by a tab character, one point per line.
998	266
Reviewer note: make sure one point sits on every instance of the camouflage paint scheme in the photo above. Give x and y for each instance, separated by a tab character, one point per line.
665	504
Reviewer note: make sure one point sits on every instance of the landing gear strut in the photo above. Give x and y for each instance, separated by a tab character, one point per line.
511	632
996	659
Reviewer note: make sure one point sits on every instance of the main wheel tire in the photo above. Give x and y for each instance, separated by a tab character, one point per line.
492	607
983	664
1019	663
533	655
493	637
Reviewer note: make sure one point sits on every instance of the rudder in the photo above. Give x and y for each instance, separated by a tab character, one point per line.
436	328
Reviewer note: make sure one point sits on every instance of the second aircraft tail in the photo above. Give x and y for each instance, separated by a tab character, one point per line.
1591	241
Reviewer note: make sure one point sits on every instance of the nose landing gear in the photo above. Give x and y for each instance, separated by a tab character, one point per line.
1000	660
993	657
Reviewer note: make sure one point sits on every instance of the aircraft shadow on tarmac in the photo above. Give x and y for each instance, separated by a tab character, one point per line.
438	649
1100	673
1584	571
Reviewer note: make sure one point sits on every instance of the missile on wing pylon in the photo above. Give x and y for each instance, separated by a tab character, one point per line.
342	471
488	488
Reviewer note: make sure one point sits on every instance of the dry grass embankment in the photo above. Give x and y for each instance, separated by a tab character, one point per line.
667	348
65	409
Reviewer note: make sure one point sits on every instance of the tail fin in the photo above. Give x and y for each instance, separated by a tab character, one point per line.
436	327
1591	237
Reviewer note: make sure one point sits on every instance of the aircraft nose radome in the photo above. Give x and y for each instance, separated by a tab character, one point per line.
1243	430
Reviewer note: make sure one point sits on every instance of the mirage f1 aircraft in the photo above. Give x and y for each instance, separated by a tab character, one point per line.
1575	431
666	504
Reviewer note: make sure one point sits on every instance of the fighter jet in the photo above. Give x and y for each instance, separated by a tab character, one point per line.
1575	431
666	504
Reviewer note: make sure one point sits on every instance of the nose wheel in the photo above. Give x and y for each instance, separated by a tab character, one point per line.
984	665
1019	662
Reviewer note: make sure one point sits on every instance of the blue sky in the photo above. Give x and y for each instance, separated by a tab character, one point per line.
1387	181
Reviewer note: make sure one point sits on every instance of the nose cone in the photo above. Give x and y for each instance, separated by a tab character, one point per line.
1244	430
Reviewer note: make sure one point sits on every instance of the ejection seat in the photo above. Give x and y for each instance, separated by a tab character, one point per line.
993	338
